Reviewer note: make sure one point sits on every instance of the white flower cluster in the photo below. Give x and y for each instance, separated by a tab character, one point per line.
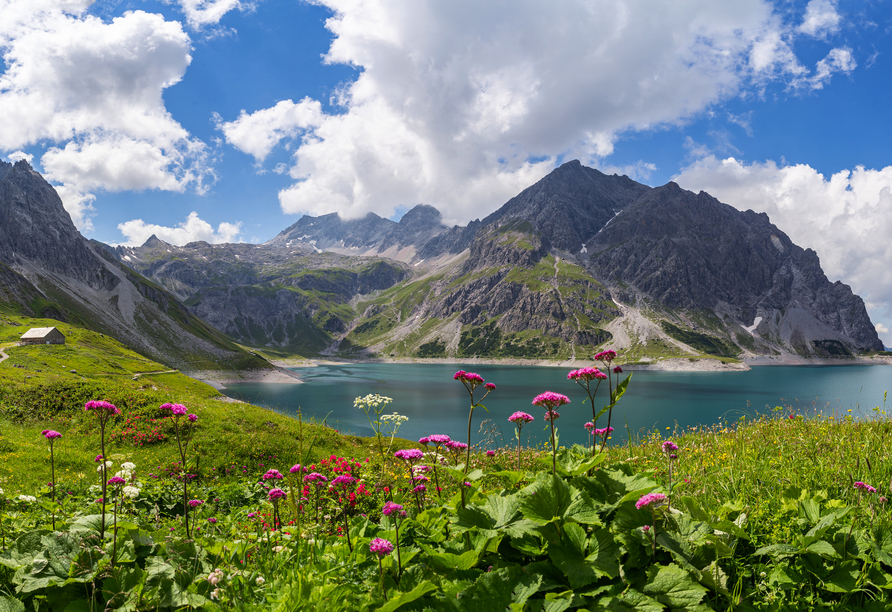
107	465
394	419
130	492
215	578
371	401
27	498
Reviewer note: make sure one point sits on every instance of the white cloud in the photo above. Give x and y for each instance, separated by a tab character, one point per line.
838	60
192	229
846	218
454	98
820	19
18	156
257	133
639	171
200	13
95	88
79	206
882	329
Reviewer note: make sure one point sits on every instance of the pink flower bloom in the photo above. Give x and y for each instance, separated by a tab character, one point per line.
194	503
419	489
520	418
381	547
607	356
49	434
457	446
550	400
192	418
343	480
212	520
116	480
551	415
586	374
424	441
490	453
590	427
409	454
101	406
272	475
601	432
295	469
176	409
276	494
316	478
669	446
390	508
865	487
439	439
98	458
490	386
654	500
617	370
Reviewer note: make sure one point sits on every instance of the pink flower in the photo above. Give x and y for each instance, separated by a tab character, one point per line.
551	415
390	508
295	469
601	432
520	418
439	439
176	409
409	454
590	427
456	445
617	370
49	434
343	480
380	547
98	458
316	478
550	400
490	386
490	453
669	446
272	475
424	441
586	374
212	520
419	489
192	418
101	406
865	487
194	503
116	480
654	500
276	495
606	356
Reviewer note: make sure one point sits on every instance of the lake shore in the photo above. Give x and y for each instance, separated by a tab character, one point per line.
219	380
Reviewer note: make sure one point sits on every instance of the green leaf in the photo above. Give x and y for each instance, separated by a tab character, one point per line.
527	586
672	586
844	578
823	548
10	604
777	550
546	499
631	600
491	591
451	561
569	556
403	598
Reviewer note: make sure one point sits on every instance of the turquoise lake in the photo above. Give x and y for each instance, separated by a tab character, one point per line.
435	403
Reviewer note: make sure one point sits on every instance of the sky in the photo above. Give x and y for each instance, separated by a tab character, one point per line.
226	120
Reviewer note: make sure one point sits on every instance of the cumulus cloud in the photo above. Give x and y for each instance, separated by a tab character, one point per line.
200	13
257	133
18	156
192	229
882	329
454	99
95	88
846	218
79	206
820	18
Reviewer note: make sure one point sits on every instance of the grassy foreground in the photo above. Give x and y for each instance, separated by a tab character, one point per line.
787	512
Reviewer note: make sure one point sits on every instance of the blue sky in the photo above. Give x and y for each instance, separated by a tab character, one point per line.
225	120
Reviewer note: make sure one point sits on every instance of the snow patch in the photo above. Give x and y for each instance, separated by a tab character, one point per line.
419	262
777	243
127	258
755	324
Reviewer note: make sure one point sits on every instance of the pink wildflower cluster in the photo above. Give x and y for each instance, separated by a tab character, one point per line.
586	374
49	434
651	500
520	418
101	407
550	400
276	494
391	508
272	475
176	409
669	447
194	503
438	439
381	547
552	415
865	487
602	431
606	356
141	431
410	455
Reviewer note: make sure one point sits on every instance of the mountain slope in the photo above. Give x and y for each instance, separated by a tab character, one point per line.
51	270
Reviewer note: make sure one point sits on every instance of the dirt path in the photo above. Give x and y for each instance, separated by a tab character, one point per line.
3	356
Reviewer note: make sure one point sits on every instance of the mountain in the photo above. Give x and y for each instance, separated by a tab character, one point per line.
47	269
575	263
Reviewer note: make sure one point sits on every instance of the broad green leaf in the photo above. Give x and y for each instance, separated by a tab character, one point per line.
569	556
823	548
672	586
844	578
631	600
810	510
451	561
10	604
785	577
546	499
776	550
403	598
513	477
491	591
527	586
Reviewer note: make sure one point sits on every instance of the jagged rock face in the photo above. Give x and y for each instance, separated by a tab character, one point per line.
35	228
690	251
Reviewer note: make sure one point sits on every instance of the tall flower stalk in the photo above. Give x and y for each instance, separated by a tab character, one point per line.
104	411
606	357
471	381
375	404
584	378
117	482
396	512
51	436
669	448
411	456
184	436
381	548
519	419
550	401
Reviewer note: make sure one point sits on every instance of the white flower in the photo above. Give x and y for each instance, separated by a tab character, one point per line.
396	418
260	580
1	492
371	401
215	577
215	594
131	492
125	474
27	498
128	466
95	489
278	549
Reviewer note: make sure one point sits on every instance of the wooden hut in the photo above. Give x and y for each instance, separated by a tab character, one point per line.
43	335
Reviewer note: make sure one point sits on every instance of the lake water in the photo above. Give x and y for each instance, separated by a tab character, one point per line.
435	403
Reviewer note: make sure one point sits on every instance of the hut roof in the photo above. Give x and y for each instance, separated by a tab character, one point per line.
37	332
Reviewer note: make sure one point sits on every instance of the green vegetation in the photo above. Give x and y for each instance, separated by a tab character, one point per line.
436	348
701	342
831	348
